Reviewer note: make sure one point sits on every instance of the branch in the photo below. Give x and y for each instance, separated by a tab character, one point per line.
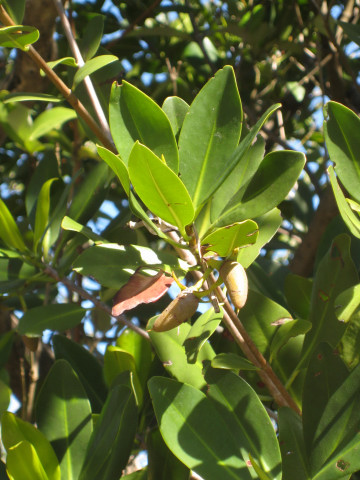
63	89
87	296
242	338
78	57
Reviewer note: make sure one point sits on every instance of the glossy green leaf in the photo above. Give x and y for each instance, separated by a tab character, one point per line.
200	332
14	430
169	348
111	264
294	460
206	447
117	361
23	463
253	432
135	116
211	130
25	97
42	215
70	224
337	441
336	272
162	463
113	437
16	9
18	36
92	66
350	218
9	231
160	188
325	374
343	144
63	414
176	109
268	224
287	330
51	119
57	317
271	183
298	294
232	361
249	158
225	240
87	368
117	166
242	165
91	39
69	61
140	349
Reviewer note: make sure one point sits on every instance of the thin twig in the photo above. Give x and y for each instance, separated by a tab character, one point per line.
80	61
87	296
63	88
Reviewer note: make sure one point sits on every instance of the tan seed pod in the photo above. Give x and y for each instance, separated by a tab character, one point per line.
180	309
236	282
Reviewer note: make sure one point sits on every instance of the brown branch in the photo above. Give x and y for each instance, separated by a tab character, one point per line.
242	338
63	88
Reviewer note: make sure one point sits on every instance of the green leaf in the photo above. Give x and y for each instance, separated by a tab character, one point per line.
117	361
111	264
5	391
232	361
92	66
241	165
200	332
351	220
6	343
294	461
211	130
298	294
42	215
336	441
51	119
140	349
118	167
248	161
347	310
135	116
63	414
336	272
223	241
268	224
14	430
287	330
271	183
253	433
87	368
58	317
91	39
23	463
162	463
325	374
111	442
351	30
70	224
343	144
176	109
160	188
206	447
9	231
32	97
16	9
18	36
69	61
169	348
